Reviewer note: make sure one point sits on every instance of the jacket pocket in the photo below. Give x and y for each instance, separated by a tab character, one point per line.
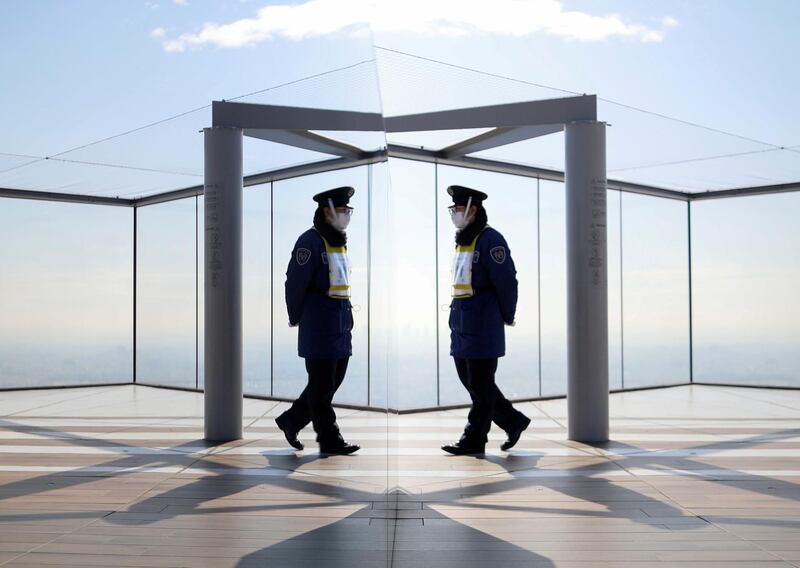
481	316
338	315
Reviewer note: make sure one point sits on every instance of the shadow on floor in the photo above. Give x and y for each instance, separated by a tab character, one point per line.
442	538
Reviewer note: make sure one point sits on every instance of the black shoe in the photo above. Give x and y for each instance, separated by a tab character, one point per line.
515	433
464	447
338	447
291	435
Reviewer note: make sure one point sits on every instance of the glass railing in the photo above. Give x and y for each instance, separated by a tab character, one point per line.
67	288
66	294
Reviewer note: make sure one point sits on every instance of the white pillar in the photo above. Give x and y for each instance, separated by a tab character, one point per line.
587	282
223	283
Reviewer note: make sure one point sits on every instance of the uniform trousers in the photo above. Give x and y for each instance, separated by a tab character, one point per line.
488	402
315	402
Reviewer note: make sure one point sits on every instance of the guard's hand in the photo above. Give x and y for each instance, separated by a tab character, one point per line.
293	324
512	324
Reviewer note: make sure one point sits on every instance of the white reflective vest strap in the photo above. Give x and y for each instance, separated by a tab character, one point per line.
462	269
338	271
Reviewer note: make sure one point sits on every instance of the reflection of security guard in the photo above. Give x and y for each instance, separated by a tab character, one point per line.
318	300
484	300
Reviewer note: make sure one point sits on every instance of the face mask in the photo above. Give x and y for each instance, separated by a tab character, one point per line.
459	218
340	221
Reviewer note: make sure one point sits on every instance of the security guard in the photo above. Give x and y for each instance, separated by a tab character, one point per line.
484	300
318	301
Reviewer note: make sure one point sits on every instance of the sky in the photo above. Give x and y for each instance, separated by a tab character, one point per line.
86	70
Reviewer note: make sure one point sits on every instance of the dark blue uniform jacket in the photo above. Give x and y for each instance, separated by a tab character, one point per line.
325	323
476	323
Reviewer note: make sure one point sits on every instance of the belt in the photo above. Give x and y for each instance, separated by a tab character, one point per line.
476	293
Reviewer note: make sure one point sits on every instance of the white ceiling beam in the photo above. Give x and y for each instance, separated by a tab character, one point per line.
499	137
306	140
529	113
273	117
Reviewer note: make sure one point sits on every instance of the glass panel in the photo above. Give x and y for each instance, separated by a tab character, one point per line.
413	224
655	291
553	254
201	288
383	391
512	210
294	212
166	320
385	381
66	294
256	291
614	201
745	282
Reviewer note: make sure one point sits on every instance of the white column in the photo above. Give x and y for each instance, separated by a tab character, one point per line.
223	283
587	282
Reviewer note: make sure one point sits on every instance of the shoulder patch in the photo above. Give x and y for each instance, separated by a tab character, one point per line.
498	254
303	254
475	256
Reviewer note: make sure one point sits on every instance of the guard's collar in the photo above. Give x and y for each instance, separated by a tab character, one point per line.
335	238
466	235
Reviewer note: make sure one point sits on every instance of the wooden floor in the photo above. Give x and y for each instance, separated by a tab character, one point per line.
119	476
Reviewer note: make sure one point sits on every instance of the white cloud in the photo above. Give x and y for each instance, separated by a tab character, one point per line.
669	22
181	2
516	18
158	33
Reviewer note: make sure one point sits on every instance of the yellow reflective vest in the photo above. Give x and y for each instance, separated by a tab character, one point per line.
338	271
462	269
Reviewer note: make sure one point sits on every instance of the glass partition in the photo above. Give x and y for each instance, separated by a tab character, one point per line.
553	283
384	382
73	281
200	280
655	291
66	294
745	282
412	223
257	290
614	266
166	294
